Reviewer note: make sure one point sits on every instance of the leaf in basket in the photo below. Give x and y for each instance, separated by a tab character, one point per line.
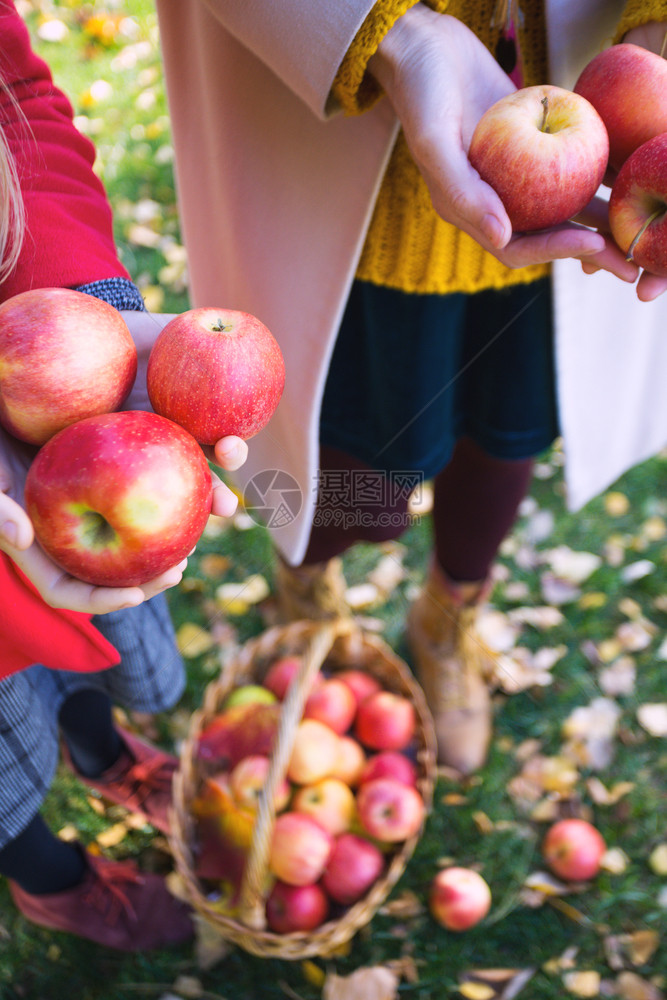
372	983
224	832
239	732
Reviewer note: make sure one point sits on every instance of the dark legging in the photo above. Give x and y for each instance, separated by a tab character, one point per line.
476	499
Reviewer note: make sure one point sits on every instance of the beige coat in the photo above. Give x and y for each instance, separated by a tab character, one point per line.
275	197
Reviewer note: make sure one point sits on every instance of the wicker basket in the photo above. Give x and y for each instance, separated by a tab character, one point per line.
342	644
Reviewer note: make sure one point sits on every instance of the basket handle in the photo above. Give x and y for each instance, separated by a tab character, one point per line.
254	883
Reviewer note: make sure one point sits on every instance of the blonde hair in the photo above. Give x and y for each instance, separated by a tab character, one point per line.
12	211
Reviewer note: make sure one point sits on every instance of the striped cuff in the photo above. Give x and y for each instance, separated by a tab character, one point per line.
120	293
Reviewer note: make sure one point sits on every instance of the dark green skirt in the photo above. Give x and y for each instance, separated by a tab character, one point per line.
412	373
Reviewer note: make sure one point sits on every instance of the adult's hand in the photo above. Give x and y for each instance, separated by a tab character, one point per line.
440	79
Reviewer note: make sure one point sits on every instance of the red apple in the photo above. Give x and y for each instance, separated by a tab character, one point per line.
389	764
238	732
385	721
332	703
544	151
300	849
354	866
573	848
349	762
248	778
330	801
119	498
360	683
64	356
459	898
314	752
627	85
638	206
216	372
390	811
281	673
292	908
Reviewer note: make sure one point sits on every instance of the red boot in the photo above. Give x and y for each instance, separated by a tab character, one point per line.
140	780
114	905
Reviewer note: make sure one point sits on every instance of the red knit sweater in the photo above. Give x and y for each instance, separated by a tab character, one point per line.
69	242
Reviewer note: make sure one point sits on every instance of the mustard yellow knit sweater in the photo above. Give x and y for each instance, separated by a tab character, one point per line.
408	246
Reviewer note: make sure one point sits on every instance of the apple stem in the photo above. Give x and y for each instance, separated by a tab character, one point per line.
647	223
221	327
545	111
664	46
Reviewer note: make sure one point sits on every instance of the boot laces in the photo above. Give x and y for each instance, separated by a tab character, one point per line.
106	894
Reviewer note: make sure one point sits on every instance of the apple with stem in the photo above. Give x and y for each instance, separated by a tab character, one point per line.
64	356
459	898
119	498
389	810
330	801
638	206
627	86
544	151
216	372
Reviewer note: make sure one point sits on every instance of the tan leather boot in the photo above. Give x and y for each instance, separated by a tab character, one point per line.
311	593
452	664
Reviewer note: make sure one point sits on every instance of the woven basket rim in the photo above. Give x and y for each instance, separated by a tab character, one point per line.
277	641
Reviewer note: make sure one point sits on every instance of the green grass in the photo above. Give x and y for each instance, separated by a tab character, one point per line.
130	129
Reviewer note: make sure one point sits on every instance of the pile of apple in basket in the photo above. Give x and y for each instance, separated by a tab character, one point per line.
302	789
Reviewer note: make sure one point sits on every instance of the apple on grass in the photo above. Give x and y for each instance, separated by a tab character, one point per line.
293	908
385	721
354	866
638	206
544	151
64	356
333	703
216	372
390	811
573	849
330	801
119	498
459	898
627	86
300	849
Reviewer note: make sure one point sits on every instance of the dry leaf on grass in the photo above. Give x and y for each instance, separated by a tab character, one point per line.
589	732
618	678
658	859
193	640
113	835
634	949
373	983
603	796
569	565
584	983
630	986
494	984
653	718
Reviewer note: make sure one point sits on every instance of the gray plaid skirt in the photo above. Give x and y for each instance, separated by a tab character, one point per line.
149	678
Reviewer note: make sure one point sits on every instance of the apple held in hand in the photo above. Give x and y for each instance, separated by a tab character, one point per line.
216	372
354	866
64	356
638	206
300	849
627	85
459	898
573	849
119	498
292	908
544	151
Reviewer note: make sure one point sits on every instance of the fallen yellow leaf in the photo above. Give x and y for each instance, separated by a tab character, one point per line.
373	983
582	984
658	859
193	640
